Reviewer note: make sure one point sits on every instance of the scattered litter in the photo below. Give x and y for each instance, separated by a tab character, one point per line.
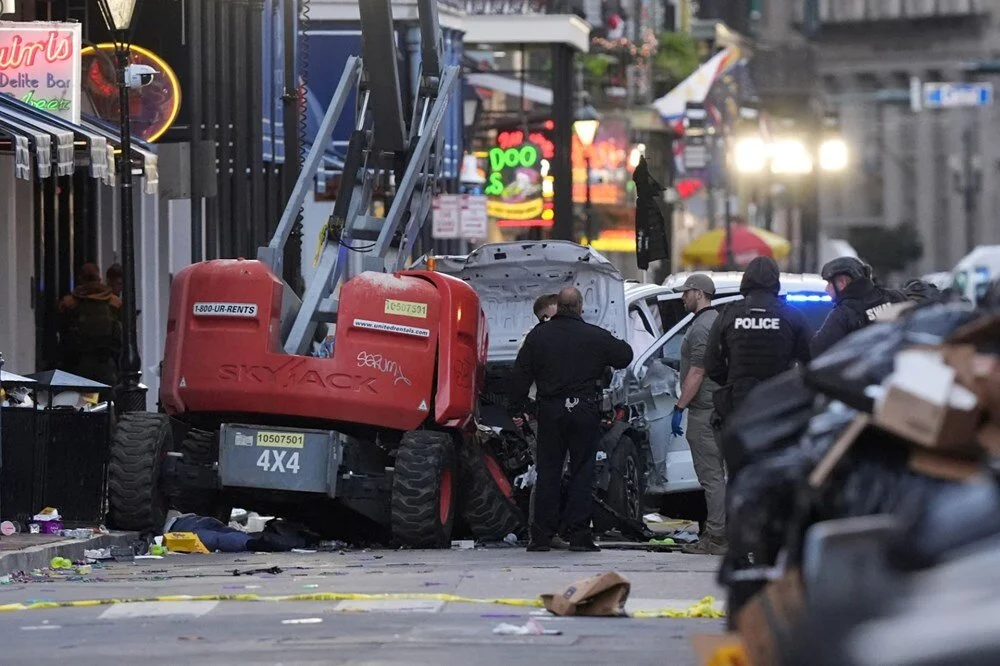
149	557
184	542
41	627
303	620
48	521
303	551
511	539
603	595
665	541
530	628
464	544
311	586
654	518
97	554
5	580
60	563
157	549
82	533
8	528
250	572
84	569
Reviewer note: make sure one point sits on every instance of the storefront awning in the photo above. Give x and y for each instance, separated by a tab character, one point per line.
150	168
512	87
29	126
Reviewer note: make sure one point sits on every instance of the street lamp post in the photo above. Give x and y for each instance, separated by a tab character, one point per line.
130	394
585	125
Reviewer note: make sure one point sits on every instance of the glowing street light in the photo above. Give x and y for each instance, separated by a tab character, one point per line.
750	154
833	155
790	157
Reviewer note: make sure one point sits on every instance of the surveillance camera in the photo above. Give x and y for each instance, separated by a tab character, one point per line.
139	76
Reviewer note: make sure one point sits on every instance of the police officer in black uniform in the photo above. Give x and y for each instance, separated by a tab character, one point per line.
754	339
857	298
567	359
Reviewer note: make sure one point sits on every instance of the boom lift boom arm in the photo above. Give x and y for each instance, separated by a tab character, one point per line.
381	146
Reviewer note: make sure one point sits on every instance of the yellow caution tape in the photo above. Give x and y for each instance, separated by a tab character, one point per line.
702	609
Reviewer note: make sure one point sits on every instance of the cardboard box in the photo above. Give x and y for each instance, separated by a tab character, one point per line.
599	596
770	620
947	467
924	404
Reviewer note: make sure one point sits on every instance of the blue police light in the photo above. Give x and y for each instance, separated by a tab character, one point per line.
808	298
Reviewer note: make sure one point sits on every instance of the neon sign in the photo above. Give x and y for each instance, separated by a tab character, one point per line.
40	66
153	108
514	186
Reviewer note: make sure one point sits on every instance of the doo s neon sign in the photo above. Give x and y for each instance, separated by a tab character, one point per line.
525	156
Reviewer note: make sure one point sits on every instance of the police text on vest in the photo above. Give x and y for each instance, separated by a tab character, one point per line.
758	323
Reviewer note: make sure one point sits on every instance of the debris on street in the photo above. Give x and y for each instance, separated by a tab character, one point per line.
598	596
530	628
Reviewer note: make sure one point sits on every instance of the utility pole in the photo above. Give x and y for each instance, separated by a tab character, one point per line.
971	181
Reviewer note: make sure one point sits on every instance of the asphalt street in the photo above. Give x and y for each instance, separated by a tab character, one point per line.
443	614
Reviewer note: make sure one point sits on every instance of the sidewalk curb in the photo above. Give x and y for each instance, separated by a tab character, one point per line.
39	557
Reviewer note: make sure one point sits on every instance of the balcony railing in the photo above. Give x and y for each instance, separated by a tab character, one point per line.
858	11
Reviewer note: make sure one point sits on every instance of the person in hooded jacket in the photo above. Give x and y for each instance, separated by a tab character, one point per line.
857	301
90	336
754	339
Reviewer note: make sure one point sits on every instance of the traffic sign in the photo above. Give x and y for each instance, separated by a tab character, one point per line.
446	216
955	95
473	220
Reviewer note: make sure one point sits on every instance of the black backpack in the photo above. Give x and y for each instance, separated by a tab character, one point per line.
93	327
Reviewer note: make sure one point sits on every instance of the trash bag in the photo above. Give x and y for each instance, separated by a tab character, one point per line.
764	497
773	416
961	515
866	357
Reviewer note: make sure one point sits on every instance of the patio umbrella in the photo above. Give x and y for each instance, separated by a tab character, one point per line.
709	249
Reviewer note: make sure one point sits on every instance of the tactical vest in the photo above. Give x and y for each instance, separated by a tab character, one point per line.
866	309
760	341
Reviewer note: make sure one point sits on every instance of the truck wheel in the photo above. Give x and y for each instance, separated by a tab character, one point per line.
625	488
488	504
200	448
423	493
136	498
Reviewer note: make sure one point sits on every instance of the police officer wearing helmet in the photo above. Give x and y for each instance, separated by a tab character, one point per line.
754	339
858	301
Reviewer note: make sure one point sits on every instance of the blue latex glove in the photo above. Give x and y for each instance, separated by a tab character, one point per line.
675	422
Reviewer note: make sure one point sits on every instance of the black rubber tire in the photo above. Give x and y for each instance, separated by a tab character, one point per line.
626	487
136	498
423	460
201	448
486	508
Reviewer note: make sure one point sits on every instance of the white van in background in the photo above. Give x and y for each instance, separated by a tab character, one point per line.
973	274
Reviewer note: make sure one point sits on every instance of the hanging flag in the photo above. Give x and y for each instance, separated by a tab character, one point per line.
652	218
